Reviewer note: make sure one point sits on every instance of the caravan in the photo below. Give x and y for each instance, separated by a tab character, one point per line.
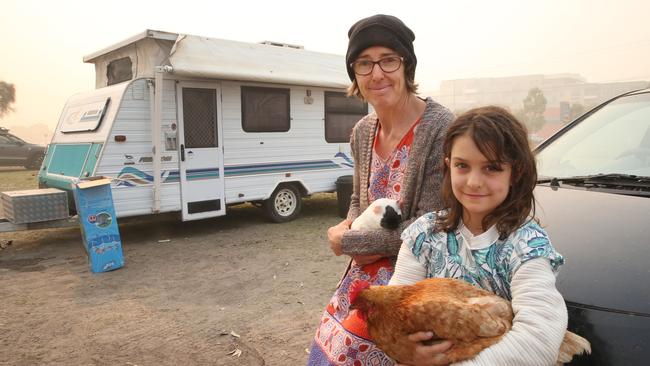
193	124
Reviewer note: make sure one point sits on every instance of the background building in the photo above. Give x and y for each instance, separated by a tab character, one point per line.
563	92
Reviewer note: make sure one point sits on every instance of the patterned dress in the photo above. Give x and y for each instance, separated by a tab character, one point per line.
342	335
490	265
387	175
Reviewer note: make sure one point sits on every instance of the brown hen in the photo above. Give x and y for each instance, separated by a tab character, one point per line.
472	318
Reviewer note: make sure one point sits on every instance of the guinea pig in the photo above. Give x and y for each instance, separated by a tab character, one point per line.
384	212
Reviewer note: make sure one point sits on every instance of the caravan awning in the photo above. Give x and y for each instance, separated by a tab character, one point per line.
201	57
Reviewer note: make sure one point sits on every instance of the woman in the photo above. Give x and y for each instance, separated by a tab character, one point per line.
398	154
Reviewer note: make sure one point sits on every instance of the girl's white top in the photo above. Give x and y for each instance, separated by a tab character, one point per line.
520	268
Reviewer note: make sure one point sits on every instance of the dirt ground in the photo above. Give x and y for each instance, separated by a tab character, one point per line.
191	293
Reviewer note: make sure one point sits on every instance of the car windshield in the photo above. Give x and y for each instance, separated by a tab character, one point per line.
613	140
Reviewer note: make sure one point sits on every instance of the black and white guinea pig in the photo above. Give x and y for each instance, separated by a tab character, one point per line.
384	212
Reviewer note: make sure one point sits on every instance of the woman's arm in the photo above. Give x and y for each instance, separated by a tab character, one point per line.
424	192
353	211
388	242
539	324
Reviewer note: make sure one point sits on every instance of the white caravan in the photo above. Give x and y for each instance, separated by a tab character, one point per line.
193	124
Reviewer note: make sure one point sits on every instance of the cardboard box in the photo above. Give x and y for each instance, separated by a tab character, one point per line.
98	222
34	205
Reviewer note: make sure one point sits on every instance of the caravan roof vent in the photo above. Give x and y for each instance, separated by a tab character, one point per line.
279	44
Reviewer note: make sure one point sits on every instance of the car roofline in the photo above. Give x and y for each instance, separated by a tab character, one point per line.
570	125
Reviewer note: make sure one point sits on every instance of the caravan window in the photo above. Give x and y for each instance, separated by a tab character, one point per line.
341	114
265	109
200	117
85	117
119	70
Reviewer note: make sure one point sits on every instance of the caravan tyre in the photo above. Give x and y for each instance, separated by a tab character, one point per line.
284	204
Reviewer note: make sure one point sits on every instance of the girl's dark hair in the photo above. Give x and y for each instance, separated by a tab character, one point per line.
501	138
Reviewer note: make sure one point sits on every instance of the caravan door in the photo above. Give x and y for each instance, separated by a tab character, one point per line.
201	152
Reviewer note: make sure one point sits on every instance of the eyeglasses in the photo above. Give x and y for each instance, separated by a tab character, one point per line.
386	64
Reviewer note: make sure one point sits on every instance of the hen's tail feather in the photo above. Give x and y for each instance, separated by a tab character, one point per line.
572	345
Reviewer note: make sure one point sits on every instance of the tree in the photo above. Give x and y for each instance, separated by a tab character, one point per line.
534	107
7	97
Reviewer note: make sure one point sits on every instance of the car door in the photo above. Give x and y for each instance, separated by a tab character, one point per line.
11	150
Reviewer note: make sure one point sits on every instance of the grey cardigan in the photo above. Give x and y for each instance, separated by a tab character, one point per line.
420	188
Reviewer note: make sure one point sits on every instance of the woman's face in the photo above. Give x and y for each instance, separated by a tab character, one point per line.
478	184
379	88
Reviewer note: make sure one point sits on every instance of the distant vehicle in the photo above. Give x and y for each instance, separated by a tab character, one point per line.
593	197
16	152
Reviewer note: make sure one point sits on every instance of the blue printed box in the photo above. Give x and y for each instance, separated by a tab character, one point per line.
99	228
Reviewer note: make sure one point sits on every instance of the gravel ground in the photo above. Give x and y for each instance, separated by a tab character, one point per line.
191	293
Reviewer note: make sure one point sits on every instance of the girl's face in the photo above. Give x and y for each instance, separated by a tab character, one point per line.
379	88
479	185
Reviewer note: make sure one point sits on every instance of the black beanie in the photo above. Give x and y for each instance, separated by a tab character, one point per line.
381	30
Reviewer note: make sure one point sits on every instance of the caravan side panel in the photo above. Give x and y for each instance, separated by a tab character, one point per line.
131	161
255	163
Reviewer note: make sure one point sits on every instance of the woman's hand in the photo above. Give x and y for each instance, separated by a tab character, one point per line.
362	260
335	233
428	355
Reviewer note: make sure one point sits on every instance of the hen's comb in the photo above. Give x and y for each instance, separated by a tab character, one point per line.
355	288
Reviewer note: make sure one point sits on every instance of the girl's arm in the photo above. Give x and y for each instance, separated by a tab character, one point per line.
539	324
408	270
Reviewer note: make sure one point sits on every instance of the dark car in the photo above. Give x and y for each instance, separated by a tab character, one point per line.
14	151
593	198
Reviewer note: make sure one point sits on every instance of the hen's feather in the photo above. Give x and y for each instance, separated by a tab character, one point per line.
472	318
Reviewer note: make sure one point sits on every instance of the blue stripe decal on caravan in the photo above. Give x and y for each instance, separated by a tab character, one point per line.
235	170
130	176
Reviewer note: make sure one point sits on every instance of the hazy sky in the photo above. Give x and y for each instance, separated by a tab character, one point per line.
44	41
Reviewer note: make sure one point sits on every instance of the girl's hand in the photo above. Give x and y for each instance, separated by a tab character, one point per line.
335	233
431	355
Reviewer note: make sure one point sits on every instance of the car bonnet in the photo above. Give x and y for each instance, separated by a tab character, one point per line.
605	239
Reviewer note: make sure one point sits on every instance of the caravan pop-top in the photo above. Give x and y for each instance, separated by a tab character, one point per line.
192	124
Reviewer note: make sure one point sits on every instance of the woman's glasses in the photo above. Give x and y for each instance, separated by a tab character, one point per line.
387	64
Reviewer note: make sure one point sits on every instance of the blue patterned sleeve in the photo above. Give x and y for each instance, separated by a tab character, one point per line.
417	236
531	241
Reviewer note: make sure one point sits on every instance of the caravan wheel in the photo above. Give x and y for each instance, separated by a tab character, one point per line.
284	204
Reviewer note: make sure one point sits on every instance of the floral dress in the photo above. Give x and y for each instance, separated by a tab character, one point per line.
342	335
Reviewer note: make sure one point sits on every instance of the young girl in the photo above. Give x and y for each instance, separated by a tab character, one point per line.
488	237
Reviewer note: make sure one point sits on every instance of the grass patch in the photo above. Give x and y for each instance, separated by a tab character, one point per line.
16	179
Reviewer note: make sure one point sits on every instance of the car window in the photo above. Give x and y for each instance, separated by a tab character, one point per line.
615	139
4	139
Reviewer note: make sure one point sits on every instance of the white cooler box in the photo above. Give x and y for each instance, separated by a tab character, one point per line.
34	205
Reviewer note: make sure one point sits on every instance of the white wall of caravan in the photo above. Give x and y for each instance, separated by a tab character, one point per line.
305	141
79	100
133	120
